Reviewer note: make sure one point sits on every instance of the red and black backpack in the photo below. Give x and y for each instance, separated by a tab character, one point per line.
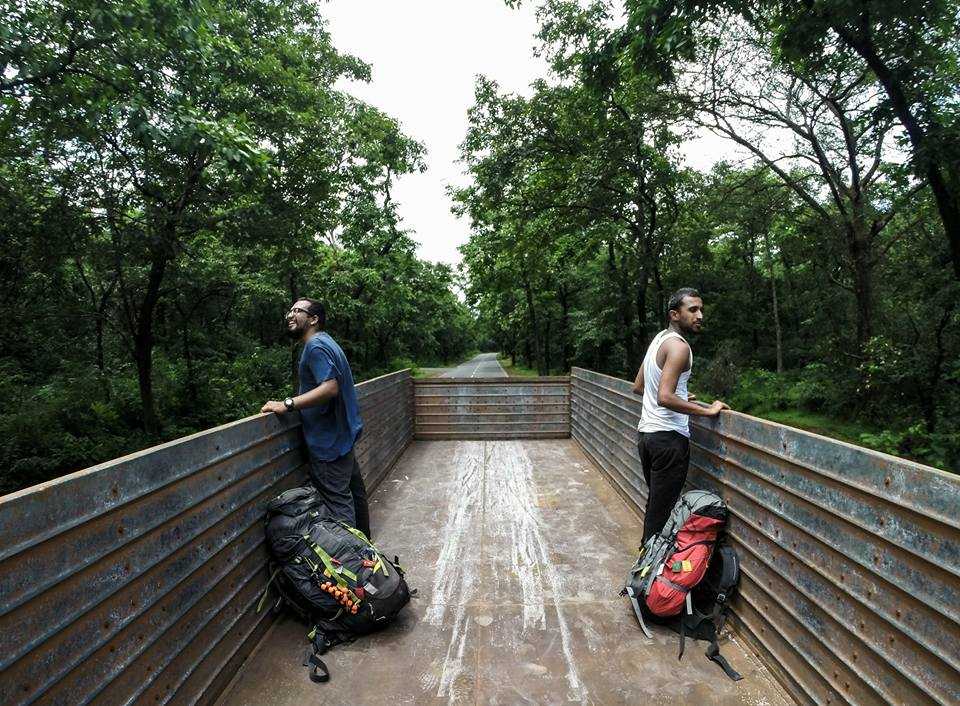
686	574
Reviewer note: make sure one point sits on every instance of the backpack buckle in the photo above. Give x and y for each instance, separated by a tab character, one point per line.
721	597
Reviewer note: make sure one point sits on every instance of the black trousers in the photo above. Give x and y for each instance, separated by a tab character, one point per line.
665	456
341	486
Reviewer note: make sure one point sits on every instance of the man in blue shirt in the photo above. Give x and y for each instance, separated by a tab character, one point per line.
330	414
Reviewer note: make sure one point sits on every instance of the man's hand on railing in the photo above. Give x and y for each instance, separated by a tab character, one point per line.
714	409
273	406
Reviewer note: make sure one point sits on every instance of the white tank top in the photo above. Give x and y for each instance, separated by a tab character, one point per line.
654	416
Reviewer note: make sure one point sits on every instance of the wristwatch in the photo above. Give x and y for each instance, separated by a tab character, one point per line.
288	403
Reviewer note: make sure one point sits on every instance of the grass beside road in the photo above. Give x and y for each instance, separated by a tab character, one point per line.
434	368
819	424
516	371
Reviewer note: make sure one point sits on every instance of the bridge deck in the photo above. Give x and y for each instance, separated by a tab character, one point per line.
518	549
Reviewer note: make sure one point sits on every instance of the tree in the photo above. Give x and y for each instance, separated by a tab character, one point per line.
172	174
819	135
911	50
582	159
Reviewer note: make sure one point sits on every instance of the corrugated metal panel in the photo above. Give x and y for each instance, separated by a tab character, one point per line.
851	558
493	408
387	406
136	579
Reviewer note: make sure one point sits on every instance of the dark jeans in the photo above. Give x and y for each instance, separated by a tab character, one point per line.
341	487
664	456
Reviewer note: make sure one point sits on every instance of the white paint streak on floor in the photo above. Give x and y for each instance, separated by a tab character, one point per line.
514	505
453	582
513	520
461	533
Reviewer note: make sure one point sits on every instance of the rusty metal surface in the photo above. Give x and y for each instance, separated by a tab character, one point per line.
516	549
496	408
851	558
136	580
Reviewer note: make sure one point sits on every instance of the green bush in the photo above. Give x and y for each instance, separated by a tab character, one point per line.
722	372
63	426
941	450
757	391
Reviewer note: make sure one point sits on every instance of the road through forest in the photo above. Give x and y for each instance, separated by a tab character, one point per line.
484	365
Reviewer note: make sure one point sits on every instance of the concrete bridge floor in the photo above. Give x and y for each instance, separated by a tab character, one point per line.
518	550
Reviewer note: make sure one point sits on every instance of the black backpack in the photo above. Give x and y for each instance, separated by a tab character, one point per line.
329	574
704	616
710	604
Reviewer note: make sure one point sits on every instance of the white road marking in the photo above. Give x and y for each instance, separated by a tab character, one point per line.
481	368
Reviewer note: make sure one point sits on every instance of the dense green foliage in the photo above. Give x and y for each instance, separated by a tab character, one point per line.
172	175
823	250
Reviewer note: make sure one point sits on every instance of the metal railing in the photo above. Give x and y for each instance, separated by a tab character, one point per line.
136	580
492	408
850	558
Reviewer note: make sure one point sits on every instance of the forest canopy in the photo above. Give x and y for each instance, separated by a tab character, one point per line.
172	176
175	173
826	245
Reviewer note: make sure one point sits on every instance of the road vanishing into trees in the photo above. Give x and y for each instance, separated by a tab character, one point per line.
484	365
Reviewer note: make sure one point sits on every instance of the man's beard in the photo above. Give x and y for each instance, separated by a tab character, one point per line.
295	333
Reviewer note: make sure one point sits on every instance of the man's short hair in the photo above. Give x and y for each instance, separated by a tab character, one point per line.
316	309
676	299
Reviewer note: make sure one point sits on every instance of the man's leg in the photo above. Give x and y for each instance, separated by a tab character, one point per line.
359	491
669	455
332	480
644	460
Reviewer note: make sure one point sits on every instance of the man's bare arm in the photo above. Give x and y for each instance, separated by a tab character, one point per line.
321	393
677	356
638	382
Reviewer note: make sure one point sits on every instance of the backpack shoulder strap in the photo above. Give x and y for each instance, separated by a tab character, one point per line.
729	579
319	673
713	654
636	609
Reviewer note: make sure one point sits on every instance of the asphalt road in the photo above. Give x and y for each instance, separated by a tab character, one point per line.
484	365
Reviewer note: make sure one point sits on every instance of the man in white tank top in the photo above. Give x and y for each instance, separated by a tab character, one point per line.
664	440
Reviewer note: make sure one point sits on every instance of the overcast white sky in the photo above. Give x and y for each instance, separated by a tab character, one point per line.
425	55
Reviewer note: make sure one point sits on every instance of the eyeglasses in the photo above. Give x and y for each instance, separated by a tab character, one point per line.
297	310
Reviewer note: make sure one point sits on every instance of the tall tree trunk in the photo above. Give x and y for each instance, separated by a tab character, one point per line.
948	204
143	342
534	325
101	356
641	304
776	307
624	307
545	370
661	298
756	294
859	245
942	176
294	291
790	312
192	392
564	300
99	326
928	396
